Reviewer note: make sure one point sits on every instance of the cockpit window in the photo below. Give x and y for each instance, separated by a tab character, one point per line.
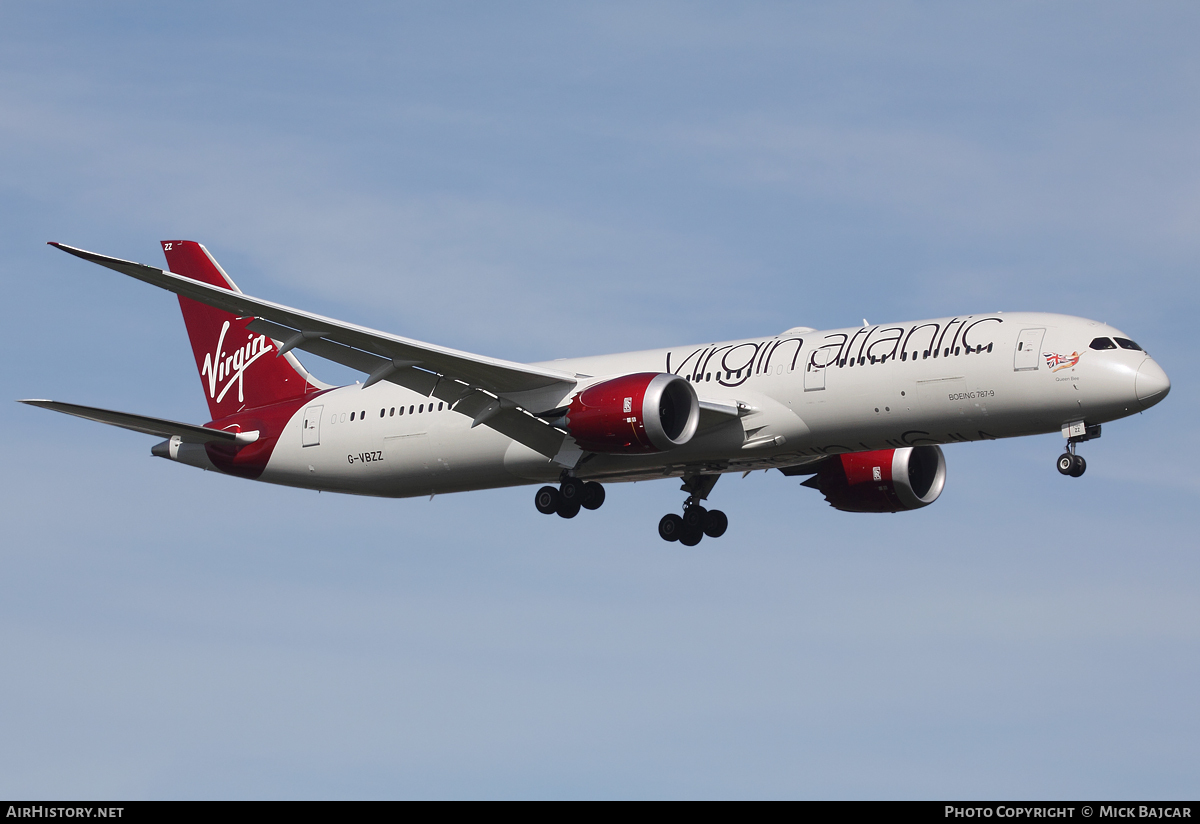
1126	343
1103	343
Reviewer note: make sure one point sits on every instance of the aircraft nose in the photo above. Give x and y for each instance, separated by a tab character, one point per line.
1151	384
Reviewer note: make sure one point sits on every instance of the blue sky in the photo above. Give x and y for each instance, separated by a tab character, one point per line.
537	181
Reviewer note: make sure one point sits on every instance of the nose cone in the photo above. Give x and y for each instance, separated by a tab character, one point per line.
1152	384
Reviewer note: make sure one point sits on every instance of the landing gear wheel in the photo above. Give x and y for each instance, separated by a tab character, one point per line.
1079	466
546	500
670	527
1066	462
691	537
568	509
715	523
693	517
593	495
572	490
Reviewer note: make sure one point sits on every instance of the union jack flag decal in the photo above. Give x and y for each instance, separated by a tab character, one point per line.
1056	361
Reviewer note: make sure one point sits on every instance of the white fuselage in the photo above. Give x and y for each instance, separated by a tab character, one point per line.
804	394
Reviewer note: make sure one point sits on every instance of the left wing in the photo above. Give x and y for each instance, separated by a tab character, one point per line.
498	393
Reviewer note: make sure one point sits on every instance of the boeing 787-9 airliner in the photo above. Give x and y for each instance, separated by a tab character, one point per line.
861	411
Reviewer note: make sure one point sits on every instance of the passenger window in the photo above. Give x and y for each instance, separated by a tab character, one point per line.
1102	343
362	416
351	416
708	376
410	409
381	411
439	407
392	412
421	408
1126	343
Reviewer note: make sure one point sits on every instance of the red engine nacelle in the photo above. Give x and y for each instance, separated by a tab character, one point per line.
886	480
643	412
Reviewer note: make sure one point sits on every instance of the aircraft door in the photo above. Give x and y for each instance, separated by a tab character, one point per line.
819	361
312	426
1029	350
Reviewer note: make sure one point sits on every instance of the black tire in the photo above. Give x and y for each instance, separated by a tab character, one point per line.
691	537
546	500
715	523
571	490
670	527
1066	462
566	509
693	517
593	495
1080	466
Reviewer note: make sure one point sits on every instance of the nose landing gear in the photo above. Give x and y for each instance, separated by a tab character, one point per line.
571	495
1070	463
696	521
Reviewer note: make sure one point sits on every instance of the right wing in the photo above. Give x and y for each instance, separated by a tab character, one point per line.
186	432
501	394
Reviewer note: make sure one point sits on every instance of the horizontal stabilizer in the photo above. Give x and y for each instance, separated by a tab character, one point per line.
186	432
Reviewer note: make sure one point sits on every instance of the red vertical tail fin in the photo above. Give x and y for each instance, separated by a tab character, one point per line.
238	368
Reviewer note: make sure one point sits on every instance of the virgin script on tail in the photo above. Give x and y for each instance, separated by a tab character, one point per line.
218	366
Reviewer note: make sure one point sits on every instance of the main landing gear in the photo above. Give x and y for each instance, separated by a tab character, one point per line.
571	495
696	521
1070	463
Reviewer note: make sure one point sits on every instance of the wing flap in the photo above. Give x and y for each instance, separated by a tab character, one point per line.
508	419
415	379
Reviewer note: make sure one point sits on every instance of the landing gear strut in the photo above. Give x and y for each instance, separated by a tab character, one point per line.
696	521
1070	463
571	495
